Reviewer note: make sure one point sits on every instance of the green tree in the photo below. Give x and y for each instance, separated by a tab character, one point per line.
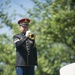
55	26
7	50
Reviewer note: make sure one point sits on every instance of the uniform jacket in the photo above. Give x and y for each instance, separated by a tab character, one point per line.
26	52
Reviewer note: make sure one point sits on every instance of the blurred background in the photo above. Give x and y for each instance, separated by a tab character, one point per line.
53	22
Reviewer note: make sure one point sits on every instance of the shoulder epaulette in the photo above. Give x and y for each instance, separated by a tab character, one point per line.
17	35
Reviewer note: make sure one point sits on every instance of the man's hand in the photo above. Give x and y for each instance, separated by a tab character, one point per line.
27	33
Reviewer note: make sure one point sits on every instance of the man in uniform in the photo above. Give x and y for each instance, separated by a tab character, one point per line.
26	52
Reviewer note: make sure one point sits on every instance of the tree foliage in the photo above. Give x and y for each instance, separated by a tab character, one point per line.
53	22
56	32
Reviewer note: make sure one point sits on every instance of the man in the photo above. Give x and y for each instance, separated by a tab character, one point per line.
26	52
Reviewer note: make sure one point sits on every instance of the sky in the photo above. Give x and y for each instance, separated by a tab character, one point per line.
14	5
28	4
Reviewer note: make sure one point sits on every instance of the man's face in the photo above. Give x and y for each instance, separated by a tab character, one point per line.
23	29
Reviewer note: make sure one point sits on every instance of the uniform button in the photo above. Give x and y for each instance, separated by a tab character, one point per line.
26	41
27	45
27	49
28	53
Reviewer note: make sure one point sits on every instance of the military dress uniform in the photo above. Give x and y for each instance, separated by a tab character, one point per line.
26	53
